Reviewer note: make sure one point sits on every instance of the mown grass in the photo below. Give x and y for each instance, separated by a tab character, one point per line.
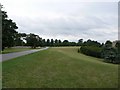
59	68
11	50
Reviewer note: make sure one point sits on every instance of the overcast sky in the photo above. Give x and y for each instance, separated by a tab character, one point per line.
65	19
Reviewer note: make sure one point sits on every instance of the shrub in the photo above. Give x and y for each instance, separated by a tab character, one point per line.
91	51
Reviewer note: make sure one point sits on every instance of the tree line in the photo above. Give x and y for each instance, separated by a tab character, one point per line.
105	50
33	40
11	37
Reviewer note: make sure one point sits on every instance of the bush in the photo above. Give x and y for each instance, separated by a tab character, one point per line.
111	55
91	51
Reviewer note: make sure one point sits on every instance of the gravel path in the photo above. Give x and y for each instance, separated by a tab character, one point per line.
4	57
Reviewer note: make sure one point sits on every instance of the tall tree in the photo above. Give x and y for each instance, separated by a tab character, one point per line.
59	42
56	42
8	31
108	44
65	43
18	41
48	42
43	43
52	42
80	41
33	40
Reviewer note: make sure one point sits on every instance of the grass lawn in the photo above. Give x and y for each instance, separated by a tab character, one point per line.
59	68
10	50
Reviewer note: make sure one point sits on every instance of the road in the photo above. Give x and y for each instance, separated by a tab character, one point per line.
4	57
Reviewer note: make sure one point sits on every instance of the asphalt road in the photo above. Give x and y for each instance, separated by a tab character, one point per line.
4	57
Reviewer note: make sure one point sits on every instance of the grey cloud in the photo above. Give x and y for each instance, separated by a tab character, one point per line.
72	24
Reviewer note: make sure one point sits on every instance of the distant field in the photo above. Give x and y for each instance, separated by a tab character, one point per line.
59	68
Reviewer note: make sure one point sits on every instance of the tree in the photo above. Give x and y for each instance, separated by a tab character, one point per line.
108	44
48	42
43	43
65	43
18	41
52	42
80	41
91	48
117	45
33	40
8	31
91	43
59	42
56	42
109	54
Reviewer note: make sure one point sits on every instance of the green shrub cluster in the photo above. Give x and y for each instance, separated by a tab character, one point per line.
106	51
91	51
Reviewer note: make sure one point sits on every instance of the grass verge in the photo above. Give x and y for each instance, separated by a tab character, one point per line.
11	50
59	68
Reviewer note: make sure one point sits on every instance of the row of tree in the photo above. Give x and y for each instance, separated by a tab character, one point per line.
107	51
10	37
9	32
23	39
111	53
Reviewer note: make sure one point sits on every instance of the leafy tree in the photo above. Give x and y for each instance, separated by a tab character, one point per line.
80	41
48	42
52	42
56	42
109	54
33	40
117	45
72	44
65	43
59	42
8	31
91	48
91	51
91	43
108	44
43	43
18	41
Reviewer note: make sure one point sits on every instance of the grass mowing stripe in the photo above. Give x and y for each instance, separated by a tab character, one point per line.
59	68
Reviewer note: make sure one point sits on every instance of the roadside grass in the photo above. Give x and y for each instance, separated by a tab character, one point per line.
11	50
60	67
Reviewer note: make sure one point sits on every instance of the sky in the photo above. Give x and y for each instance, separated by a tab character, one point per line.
65	19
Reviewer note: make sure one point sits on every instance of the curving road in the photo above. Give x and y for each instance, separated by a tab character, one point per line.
4	57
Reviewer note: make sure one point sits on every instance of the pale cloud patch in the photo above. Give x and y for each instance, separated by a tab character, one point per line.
65	19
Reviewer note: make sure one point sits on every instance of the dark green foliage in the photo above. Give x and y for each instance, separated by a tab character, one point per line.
52	42
91	51
9	32
18	40
33	40
73	44
91	43
65	43
80	42
106	51
91	48
43	43
56	42
48	42
111	54
108	43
